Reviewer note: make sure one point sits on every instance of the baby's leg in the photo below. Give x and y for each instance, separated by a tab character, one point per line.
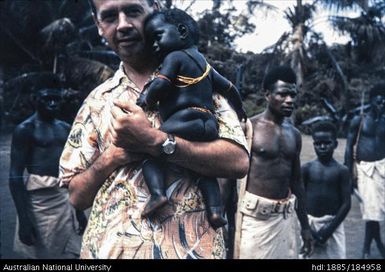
192	124
153	174
212	198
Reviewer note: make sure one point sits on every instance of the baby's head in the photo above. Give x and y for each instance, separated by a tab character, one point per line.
324	135
171	30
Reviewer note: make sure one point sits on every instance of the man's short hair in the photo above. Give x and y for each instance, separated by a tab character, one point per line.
176	17
378	89
324	126
93	7
283	73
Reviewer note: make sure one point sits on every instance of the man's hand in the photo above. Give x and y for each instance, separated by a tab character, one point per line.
131	130
308	243
123	157
318	237
82	220
27	233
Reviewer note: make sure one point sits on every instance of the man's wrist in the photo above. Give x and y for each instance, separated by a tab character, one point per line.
156	146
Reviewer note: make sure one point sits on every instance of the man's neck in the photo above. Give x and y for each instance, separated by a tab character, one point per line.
45	118
326	161
139	72
274	118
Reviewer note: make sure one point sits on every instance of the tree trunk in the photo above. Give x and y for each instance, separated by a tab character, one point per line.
345	91
298	54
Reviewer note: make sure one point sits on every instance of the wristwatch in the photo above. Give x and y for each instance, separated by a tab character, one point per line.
169	146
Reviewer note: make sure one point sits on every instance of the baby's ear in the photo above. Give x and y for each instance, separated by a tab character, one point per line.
183	31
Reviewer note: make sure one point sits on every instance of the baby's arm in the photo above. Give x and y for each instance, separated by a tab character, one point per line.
223	86
162	84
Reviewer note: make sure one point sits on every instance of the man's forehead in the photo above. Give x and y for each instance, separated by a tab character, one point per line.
323	135
118	3
281	86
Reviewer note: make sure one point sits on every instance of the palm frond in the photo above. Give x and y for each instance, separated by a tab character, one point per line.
343	4
253	4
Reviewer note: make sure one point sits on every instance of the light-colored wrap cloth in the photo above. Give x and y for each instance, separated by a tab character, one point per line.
54	221
335	246
268	228
371	186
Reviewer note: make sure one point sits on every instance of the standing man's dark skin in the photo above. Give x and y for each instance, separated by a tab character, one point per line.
37	144
370	148
327	183
275	152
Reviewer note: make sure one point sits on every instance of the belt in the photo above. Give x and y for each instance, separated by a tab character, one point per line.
262	208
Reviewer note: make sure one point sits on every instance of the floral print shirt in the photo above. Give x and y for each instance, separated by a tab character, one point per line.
180	229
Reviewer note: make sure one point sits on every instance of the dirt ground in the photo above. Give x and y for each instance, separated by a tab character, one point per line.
354	226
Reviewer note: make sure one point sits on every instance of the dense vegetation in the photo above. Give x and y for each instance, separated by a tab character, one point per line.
56	43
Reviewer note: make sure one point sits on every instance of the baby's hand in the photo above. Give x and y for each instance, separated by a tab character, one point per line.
242	115
141	101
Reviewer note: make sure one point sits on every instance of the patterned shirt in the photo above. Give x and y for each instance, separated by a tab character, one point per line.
115	229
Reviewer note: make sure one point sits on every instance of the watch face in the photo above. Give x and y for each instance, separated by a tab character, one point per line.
169	148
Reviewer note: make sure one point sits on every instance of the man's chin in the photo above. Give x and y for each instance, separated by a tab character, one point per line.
287	113
129	48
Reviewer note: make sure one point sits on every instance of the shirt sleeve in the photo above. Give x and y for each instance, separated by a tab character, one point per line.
229	126
81	148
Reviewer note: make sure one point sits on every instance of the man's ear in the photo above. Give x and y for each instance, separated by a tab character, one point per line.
267	94
183	31
97	23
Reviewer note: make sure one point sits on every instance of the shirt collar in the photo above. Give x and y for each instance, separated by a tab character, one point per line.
120	78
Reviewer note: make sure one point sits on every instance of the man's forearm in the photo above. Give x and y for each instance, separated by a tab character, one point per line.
299	192
84	186
349	157
20	198
131	130
329	229
219	158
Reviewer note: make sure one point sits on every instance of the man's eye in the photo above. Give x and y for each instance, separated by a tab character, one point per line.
133	12
109	18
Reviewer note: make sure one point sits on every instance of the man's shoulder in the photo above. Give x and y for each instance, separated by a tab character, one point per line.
256	118
357	119
25	129
289	126
309	164
341	167
62	123
27	124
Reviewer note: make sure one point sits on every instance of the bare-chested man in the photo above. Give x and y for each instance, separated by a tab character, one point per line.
274	188
45	227
327	186
369	151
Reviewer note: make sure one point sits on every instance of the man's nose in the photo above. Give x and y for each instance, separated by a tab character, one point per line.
124	22
289	99
52	102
